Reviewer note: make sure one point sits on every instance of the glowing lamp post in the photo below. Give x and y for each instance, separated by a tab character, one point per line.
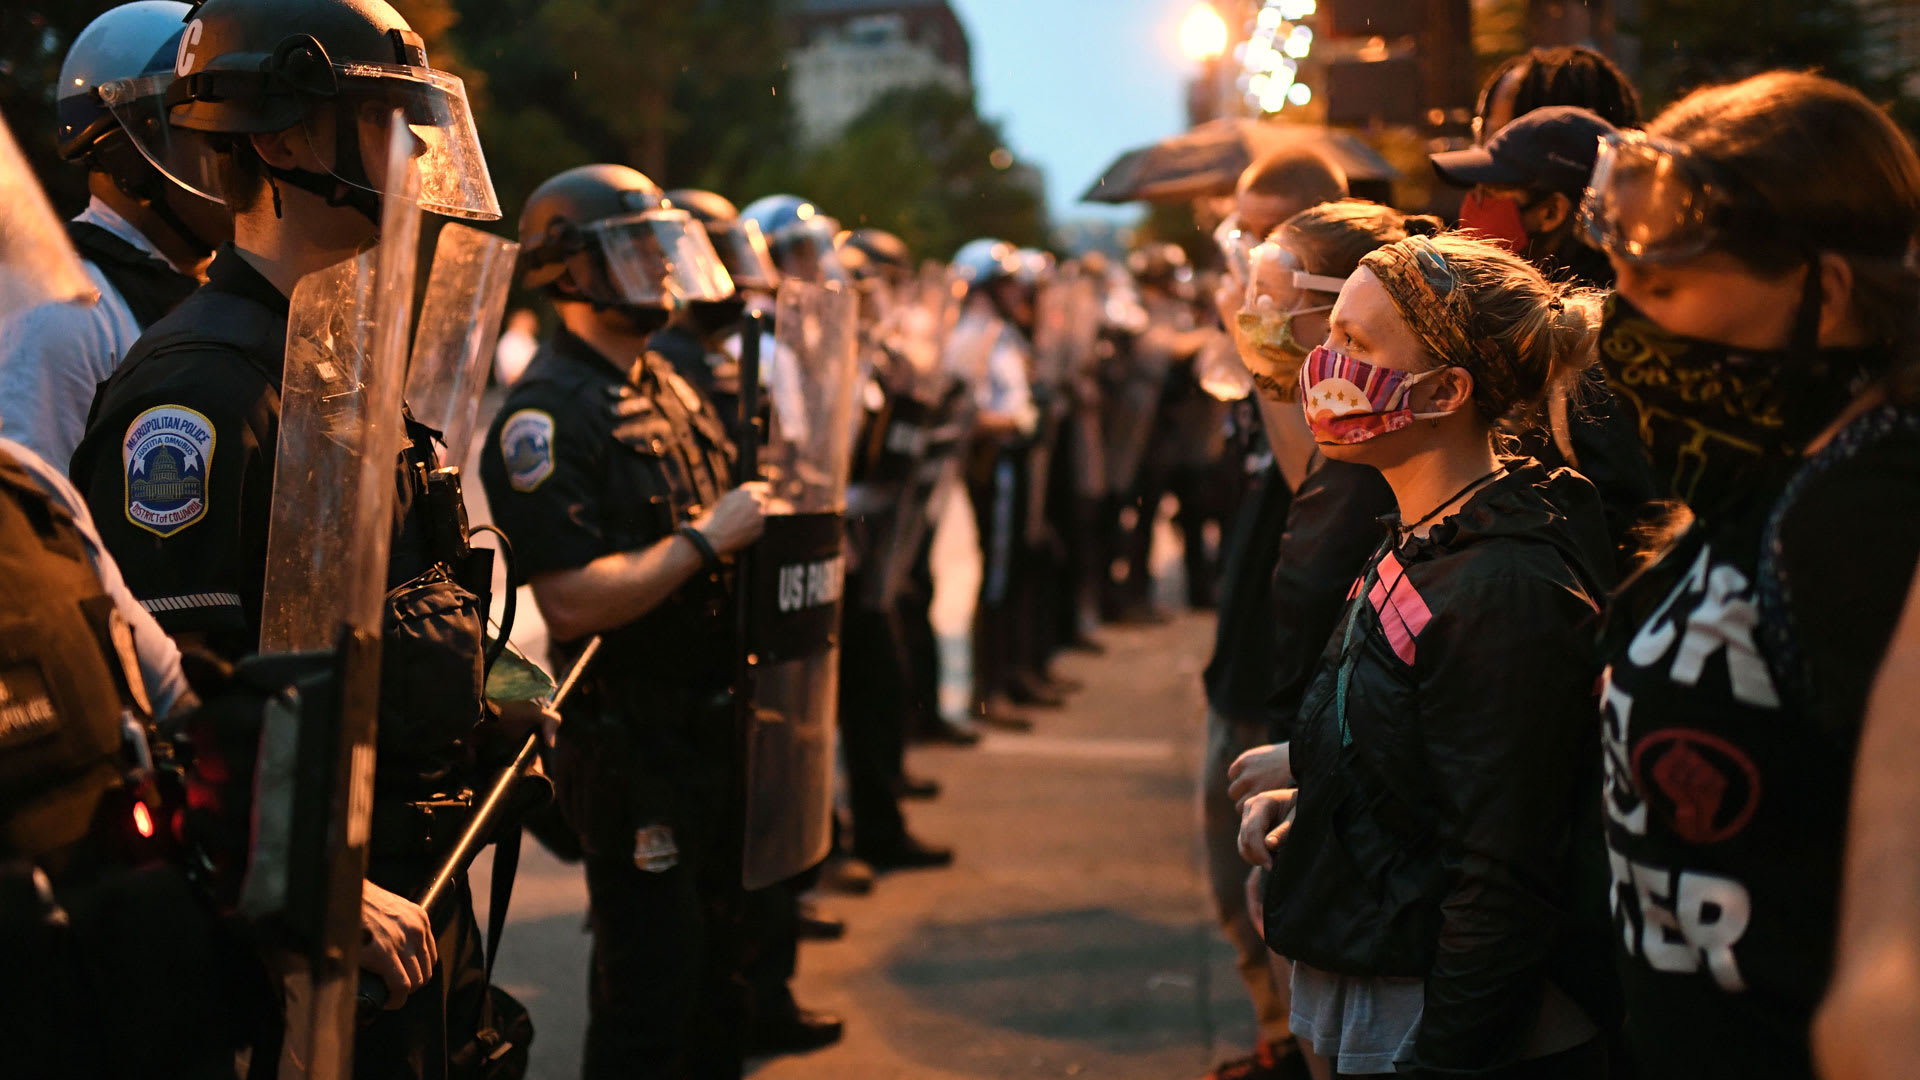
1203	37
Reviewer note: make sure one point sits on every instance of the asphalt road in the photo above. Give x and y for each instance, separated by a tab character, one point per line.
1072	936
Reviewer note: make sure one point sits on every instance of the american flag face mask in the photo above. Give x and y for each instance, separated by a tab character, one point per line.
1349	401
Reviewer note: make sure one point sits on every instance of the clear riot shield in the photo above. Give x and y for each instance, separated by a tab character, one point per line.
1135	378
459	325
37	263
794	583
1083	333
327	546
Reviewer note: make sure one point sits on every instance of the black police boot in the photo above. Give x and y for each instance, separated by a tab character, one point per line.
916	787
906	853
813	924
796	1032
1026	690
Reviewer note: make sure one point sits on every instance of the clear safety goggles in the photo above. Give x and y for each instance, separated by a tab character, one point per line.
1269	263
1236	246
659	258
1653	200
454	180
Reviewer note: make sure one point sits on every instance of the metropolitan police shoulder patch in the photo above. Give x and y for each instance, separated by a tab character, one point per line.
168	458
526	446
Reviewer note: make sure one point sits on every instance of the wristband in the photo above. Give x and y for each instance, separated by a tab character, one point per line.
709	558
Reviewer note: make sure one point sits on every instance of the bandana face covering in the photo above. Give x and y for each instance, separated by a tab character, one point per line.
1350	401
1710	413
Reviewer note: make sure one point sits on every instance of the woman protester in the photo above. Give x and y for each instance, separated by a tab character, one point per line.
1763	330
1332	522
1425	881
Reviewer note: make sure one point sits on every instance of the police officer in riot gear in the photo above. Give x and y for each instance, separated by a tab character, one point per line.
612	473
282	111
146	239
695	333
874	692
989	346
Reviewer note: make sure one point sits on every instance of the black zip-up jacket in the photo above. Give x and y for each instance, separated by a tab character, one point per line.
1446	758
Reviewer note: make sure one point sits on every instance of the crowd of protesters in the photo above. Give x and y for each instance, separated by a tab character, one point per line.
1550	726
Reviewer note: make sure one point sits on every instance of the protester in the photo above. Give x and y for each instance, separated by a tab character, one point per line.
1559	75
1423	884
1239	675
1528	182
1761	232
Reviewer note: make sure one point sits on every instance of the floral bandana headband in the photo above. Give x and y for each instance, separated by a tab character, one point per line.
1421	284
1349	401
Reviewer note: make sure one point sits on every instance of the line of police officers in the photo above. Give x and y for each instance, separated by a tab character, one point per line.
235	148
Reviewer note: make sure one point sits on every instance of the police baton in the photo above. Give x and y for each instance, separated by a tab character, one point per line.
372	991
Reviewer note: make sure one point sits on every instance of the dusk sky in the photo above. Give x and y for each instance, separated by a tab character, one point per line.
1075	82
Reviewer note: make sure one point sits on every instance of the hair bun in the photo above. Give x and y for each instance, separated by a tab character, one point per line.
1424	225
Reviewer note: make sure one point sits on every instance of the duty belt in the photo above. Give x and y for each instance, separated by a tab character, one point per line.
404	828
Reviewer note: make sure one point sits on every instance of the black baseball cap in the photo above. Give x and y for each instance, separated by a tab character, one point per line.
1550	149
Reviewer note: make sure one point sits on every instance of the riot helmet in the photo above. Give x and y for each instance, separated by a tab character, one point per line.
336	69
136	41
605	235
800	237
742	246
981	262
875	253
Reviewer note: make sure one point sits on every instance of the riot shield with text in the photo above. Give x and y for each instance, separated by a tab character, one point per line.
795	579
37	262
459	326
328	538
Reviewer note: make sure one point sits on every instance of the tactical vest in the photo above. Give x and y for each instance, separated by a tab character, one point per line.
68	677
150	287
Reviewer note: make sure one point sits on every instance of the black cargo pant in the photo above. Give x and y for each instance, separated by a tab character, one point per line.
874	701
665	997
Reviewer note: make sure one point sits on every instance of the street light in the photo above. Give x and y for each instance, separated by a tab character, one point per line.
1203	35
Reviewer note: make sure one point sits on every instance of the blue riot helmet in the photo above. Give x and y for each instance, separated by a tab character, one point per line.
800	236
135	42
980	263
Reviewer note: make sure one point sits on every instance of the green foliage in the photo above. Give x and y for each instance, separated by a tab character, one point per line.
1689	43
919	163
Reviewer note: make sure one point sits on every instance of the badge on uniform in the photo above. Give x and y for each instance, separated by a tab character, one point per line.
526	445
168	459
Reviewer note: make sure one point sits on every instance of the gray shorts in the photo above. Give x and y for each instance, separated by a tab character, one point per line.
1361	1024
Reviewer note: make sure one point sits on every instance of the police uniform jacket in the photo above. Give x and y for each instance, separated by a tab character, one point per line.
177	468
587	458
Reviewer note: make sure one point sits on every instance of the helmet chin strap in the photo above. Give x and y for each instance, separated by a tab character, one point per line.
335	191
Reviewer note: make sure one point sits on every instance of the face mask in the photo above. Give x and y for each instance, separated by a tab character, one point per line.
1349	401
1277	353
1710	413
1497	218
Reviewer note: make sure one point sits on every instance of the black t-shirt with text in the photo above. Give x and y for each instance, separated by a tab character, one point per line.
1730	714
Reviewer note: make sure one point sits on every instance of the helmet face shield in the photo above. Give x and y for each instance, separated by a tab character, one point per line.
660	258
348	133
805	250
183	156
743	251
1649	202
453	172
